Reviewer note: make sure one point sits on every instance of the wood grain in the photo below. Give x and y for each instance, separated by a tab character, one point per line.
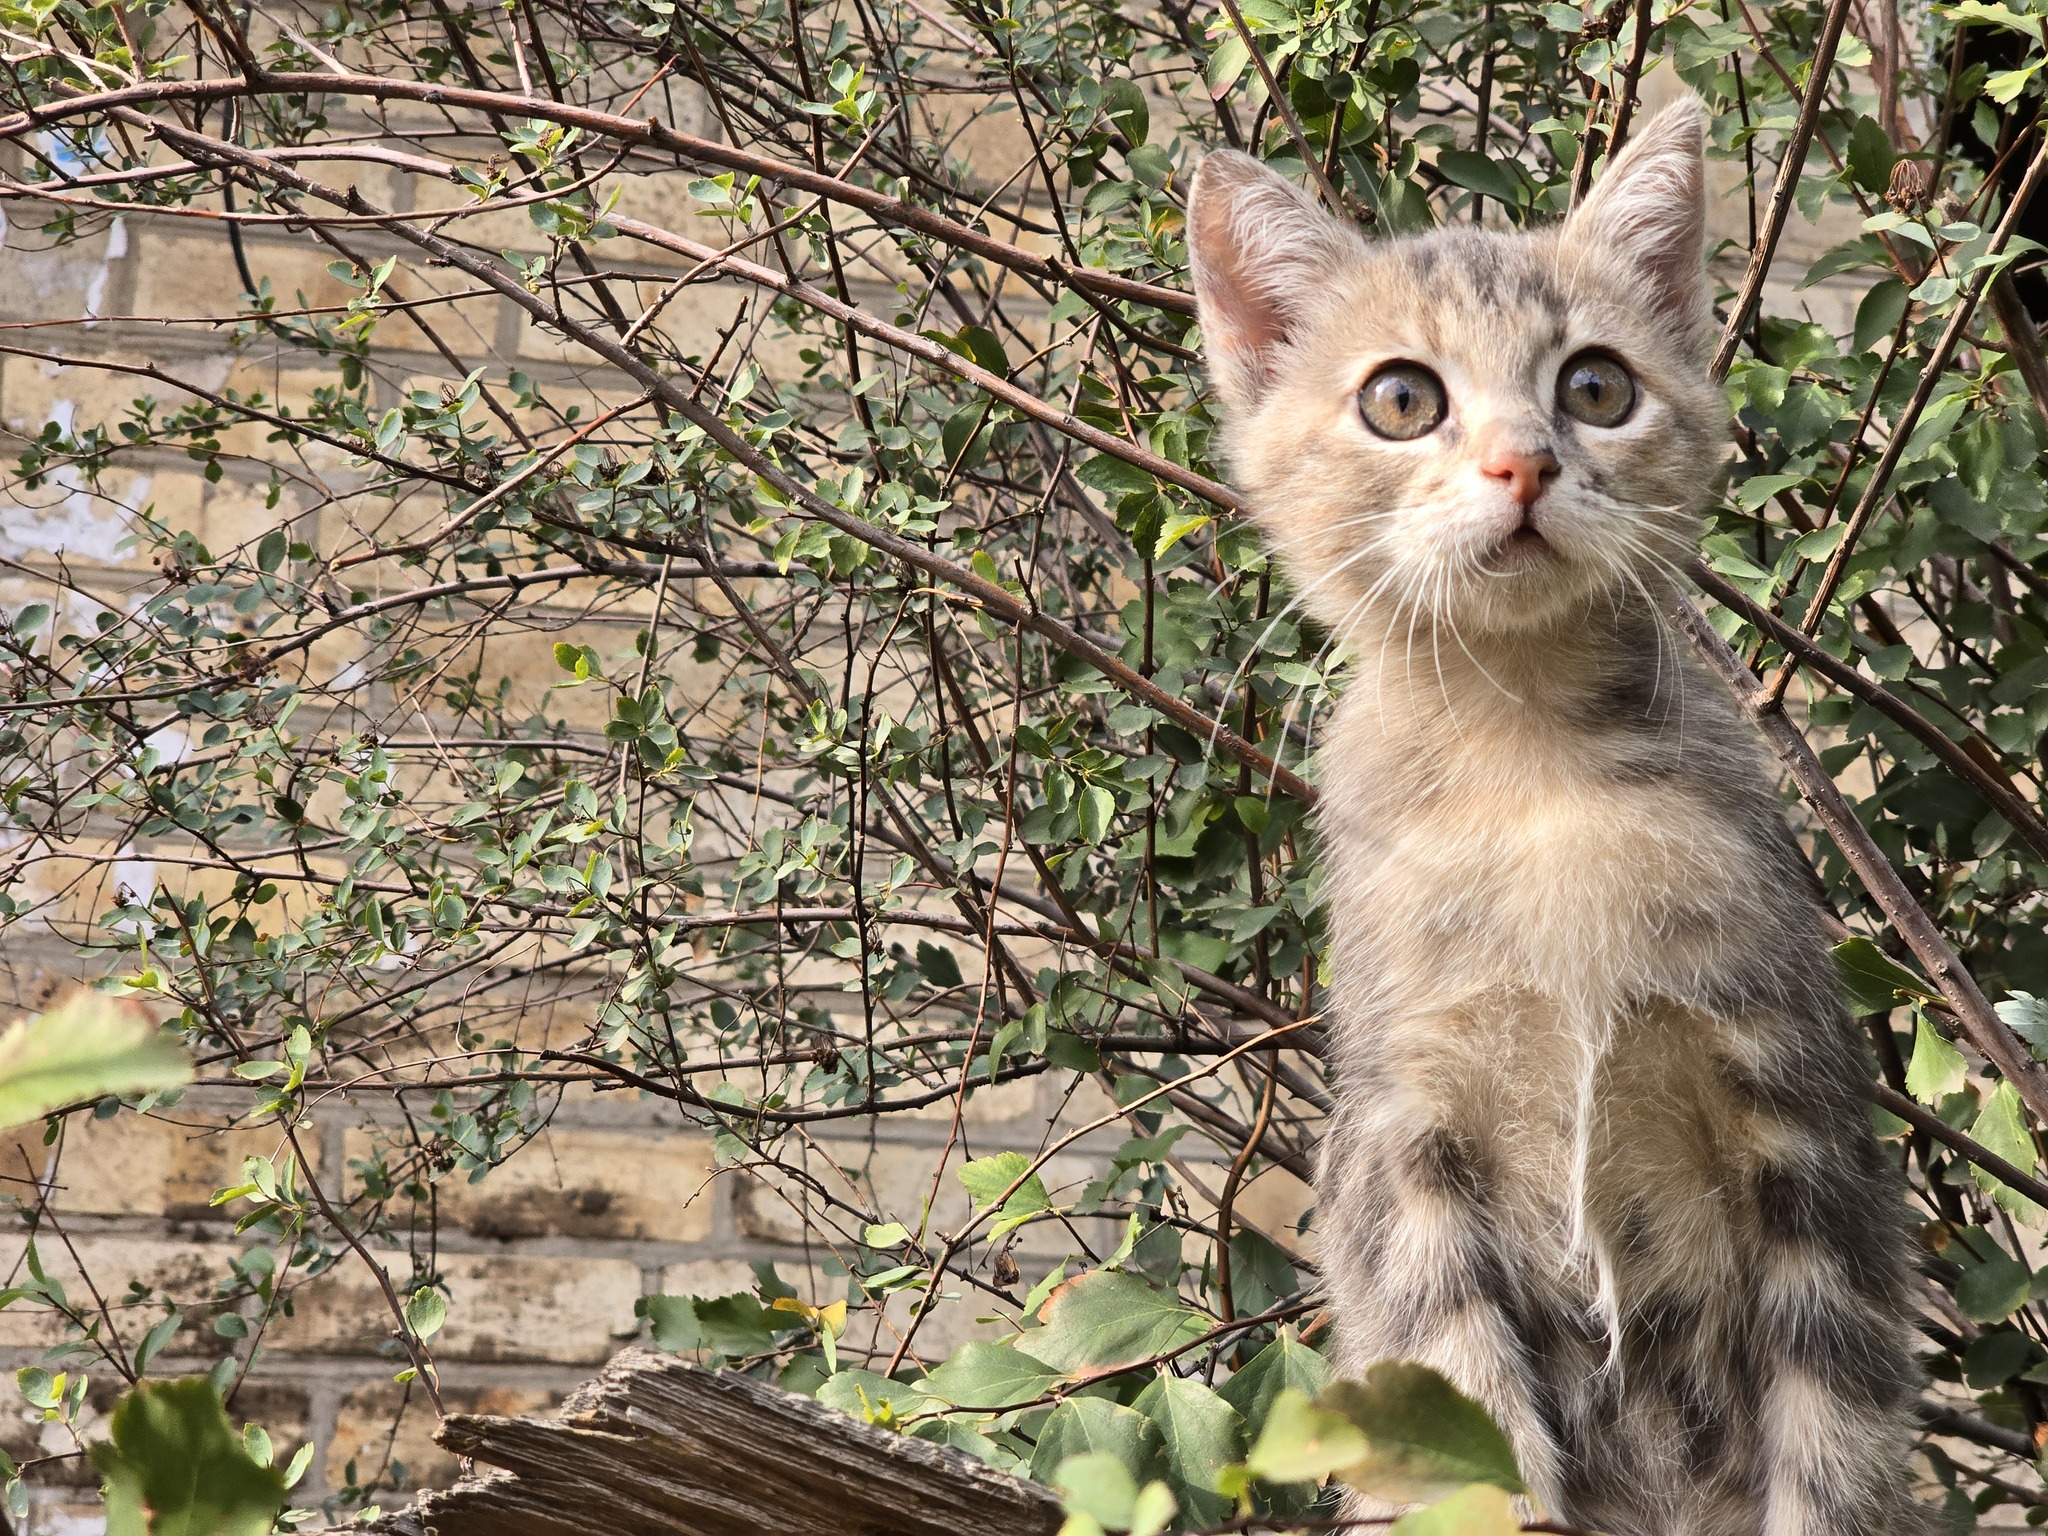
655	1447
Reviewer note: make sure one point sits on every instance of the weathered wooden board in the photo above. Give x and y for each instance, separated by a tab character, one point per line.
654	1447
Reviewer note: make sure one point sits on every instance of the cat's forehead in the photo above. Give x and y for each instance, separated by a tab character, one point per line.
1479	269
1482	295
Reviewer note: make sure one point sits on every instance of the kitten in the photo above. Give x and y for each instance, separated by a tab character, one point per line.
1600	1153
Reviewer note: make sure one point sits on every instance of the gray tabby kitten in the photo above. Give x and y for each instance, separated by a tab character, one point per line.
1600	1153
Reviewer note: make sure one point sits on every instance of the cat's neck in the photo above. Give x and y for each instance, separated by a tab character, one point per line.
1614	663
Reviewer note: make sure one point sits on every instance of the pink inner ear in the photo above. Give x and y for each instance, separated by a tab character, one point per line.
1650	209
1262	251
1242	313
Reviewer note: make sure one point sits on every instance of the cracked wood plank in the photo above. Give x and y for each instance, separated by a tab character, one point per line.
656	1447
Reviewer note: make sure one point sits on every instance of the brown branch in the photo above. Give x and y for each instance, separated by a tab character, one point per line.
1631	78
2006	1173
931	352
1277	94
1997	791
2023	341
1785	193
1979	1023
1876	487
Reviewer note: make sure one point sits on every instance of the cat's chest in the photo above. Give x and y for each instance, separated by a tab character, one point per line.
1527	853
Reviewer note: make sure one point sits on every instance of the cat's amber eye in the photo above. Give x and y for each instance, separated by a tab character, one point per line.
1596	388
1401	401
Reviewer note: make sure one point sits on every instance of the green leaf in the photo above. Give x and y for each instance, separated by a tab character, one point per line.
1424	1438
1994	1290
1935	424
2027	1016
153	1341
270	551
37	1385
1301	1442
1095	810
958	439
425	1311
1153	1510
1283	1365
1099	1486
1106	1319
874	1397
1936	290
175	1467
1995	1357
1870	155
1151	165
2005	16
2005	86
1937	1068
1477	173
734	1325
1094	1425
91	1047
1874	981
1114	477
1480	1510
1177	527
1758	489
984	1375
1864	251
2001	1128
1200	1434
1877	317
1225	65
1124	104
986	1178
978	345
936	964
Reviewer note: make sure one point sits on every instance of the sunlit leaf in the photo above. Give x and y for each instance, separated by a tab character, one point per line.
1105	1318
1424	1438
1480	1510
174	1466
91	1046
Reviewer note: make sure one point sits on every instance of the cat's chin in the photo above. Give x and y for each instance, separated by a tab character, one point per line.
1529	587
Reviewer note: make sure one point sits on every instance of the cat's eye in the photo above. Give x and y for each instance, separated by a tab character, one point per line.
1402	401
1596	388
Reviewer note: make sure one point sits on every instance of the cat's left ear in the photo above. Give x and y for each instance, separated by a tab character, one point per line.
1650	209
1264	258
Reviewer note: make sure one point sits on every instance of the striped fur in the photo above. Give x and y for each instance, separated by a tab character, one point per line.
1600	1154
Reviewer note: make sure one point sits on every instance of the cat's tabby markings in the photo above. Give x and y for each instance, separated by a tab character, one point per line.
1600	1152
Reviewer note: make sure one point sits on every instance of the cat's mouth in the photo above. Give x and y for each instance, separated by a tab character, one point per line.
1522	544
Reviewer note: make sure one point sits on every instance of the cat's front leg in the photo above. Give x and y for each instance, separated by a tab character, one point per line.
1421	1271
1832	1338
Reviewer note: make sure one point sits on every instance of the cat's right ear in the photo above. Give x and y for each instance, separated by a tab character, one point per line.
1262	253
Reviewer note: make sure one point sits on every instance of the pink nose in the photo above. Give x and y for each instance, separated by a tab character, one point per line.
1524	474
